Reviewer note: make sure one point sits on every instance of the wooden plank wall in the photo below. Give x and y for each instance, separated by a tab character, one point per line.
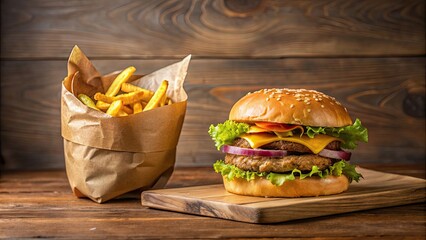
369	54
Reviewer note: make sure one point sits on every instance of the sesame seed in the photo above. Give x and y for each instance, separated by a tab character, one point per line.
309	110
322	106
292	106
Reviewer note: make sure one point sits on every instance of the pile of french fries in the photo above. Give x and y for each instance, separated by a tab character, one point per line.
122	98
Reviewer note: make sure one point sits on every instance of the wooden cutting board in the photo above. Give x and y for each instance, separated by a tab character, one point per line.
376	190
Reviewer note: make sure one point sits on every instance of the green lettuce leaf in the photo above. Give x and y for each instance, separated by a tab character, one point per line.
225	133
230	171
349	171
279	178
342	167
351	135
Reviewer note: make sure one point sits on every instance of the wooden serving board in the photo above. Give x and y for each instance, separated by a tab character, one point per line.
376	190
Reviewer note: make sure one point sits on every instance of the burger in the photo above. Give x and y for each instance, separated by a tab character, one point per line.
287	143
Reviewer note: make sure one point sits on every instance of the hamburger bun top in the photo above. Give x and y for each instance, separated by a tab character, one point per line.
290	106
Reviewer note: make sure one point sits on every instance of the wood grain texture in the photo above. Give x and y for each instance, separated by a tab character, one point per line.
32	202
368	54
376	190
224	28
373	89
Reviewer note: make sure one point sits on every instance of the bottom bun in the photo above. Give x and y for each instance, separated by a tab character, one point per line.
308	187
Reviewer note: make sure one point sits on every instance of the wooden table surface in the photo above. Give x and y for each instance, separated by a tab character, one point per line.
40	204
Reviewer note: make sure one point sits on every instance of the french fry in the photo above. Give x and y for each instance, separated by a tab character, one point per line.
115	108
127	109
134	100
123	77
102	105
122	113
128	87
158	96
163	100
137	107
87	101
115	87
127	98
100	97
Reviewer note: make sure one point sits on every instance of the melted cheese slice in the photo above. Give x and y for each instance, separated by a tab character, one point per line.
287	133
316	144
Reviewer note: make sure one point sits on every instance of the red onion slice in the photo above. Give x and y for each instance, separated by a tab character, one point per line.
253	152
281	153
335	154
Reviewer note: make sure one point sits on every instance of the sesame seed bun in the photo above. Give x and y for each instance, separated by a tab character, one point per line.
291	106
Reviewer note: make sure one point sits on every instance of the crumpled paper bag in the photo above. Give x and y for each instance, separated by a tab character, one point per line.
109	157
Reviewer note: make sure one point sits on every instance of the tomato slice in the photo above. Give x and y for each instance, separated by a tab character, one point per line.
257	129
278	127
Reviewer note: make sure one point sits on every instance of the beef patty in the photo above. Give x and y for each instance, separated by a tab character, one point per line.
282	164
300	157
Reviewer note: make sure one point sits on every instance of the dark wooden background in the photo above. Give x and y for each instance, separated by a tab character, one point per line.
369	54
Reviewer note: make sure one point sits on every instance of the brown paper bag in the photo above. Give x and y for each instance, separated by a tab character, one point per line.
108	157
